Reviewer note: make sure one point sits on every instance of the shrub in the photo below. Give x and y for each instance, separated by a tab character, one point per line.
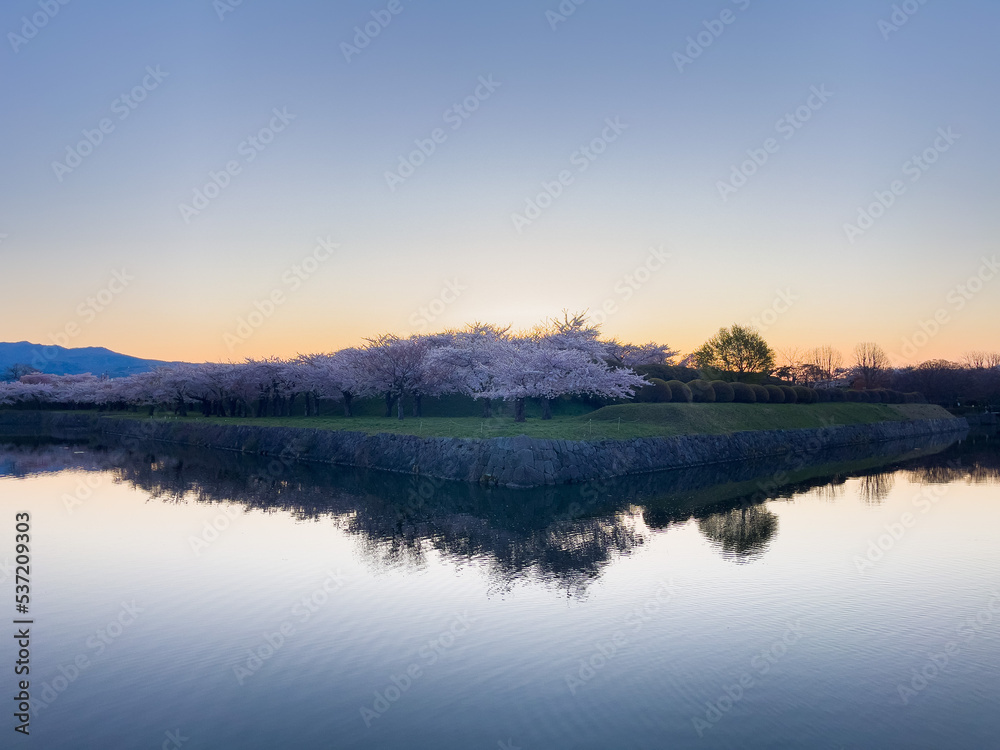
681	393
864	397
823	395
702	391
775	394
657	392
804	395
790	395
895	397
723	391
743	394
874	396
914	397
852	396
667	372
837	395
760	392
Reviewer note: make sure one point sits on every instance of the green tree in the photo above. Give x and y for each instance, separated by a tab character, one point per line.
739	350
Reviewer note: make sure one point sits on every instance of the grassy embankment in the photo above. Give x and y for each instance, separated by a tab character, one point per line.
614	422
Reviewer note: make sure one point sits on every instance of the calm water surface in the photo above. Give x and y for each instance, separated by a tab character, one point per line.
203	600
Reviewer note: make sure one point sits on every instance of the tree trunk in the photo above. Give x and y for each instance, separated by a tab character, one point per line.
399	406
487	408
519	410
418	407
389	401
546	408
347	403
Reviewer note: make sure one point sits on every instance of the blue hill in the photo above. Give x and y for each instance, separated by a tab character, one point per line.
59	360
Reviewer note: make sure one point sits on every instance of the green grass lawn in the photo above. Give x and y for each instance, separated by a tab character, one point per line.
614	422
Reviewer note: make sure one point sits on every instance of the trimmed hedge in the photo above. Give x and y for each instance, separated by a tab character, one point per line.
823	395
761	394
680	392
837	395
790	396
702	391
723	391
776	394
657	392
804	395
743	394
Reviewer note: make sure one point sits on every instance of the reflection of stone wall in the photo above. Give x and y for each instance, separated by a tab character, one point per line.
518	461
49	424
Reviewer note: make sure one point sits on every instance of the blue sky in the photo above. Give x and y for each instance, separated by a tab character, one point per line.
776	243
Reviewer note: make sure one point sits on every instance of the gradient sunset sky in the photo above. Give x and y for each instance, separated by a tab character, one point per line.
866	94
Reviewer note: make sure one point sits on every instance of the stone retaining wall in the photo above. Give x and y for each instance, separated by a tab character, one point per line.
510	462
518	461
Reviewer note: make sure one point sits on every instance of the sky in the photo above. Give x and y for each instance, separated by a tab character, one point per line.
203	180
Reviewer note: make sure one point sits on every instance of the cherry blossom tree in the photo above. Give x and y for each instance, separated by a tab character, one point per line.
624	354
527	368
465	364
394	367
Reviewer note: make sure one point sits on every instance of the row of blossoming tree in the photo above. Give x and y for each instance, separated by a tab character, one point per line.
561	357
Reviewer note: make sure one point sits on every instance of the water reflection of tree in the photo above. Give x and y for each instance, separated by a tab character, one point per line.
561	536
832	491
743	533
875	487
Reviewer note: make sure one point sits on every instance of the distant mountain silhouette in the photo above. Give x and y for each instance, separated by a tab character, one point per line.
58	360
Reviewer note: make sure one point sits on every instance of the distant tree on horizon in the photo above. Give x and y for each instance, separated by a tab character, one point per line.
739	350
871	364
